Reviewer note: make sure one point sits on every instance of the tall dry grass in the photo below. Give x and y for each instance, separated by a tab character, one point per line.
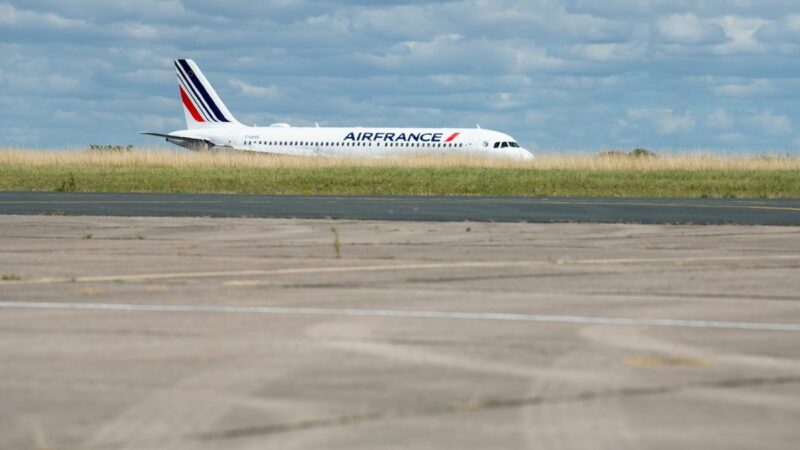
567	161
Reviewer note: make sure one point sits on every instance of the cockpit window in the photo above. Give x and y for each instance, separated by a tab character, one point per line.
511	144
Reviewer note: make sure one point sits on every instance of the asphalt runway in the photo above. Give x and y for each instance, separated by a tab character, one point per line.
478	209
206	333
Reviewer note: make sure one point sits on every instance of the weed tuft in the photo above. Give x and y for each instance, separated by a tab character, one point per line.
337	246
67	185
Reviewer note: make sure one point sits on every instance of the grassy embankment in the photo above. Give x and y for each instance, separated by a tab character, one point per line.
685	175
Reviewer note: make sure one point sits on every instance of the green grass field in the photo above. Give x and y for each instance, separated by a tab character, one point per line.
762	178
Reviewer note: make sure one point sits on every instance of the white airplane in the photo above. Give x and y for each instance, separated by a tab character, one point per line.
211	126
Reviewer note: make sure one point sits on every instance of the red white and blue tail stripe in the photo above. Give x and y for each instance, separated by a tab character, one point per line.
201	104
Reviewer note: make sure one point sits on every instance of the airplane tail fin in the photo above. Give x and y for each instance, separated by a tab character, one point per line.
201	104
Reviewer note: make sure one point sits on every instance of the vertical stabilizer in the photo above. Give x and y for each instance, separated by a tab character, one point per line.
201	104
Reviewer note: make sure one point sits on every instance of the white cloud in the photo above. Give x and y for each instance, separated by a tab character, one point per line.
609	51
719	119
786	29
772	124
504	100
588	83
750	88
742	34
663	121
139	30
335	22
155	122
687	28
245	88
13	17
41	84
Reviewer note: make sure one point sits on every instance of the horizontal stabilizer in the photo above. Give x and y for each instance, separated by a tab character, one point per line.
185	142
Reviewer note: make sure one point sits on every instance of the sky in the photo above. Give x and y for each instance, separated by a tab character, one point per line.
720	75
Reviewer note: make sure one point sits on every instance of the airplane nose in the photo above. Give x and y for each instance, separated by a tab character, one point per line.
525	154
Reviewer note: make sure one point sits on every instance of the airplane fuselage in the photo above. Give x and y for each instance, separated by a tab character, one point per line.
307	141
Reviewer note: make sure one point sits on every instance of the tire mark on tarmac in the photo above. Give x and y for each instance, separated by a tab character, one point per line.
631	339
488	404
552	425
402	267
703	295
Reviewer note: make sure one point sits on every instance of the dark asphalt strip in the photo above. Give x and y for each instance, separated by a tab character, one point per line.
438	208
